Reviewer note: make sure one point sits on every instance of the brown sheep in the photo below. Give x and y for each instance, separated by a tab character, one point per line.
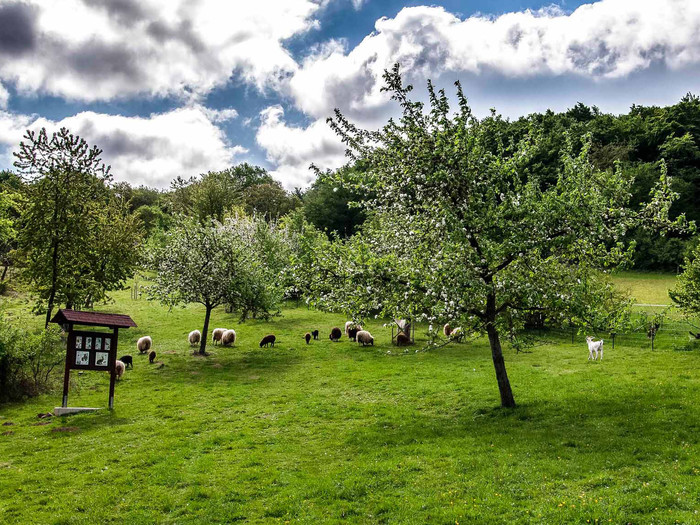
447	330
152	356
307	337
335	334
402	339
119	368
268	340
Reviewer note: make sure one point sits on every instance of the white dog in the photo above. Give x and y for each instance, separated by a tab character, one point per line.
593	348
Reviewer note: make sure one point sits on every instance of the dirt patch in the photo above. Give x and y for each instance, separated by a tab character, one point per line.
217	365
195	373
7	423
170	352
41	423
65	429
8	433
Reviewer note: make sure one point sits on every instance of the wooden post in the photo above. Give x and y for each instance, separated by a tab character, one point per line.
613	338
113	368
66	373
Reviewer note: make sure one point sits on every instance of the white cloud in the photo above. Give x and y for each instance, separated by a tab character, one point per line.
605	40
4	97
151	150
103	49
293	149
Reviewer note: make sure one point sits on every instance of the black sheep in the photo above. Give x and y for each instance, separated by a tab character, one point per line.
127	360
315	334
307	337
268	340
335	334
151	356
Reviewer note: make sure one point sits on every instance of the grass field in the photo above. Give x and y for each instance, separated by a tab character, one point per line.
646	287
333	432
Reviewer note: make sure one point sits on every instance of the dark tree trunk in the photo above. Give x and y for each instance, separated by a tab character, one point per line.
4	272
507	399
205	331
54	279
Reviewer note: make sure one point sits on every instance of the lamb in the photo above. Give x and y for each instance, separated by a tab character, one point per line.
447	330
119	368
314	334
307	337
152	356
144	344
216	335
194	337
402	339
335	334
127	360
365	338
593	348
228	337
268	340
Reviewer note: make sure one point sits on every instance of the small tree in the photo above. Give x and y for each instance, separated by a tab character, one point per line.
71	222
199	263
686	293
466	227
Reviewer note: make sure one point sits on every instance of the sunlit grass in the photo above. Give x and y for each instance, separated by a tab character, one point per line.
334	432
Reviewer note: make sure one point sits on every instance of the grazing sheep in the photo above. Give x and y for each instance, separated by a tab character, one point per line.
144	344
365	338
307	337
351	328
152	356
119	368
402	340
216	335
352	333
593	348
335	334
348	325
447	330
268	340
228	338
194	337
127	360
314	334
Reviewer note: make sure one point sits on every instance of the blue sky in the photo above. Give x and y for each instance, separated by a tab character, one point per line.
170	87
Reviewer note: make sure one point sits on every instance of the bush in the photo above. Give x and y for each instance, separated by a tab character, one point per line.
28	360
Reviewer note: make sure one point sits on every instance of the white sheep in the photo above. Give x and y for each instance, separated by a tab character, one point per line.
144	344
119	368
593	348
228	338
365	338
457	334
194	337
447	330
216	335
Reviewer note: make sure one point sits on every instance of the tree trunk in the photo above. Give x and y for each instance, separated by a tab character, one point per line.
507	399
4	272
54	278
205	331
499	365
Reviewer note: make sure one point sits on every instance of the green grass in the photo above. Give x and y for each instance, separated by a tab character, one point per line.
333	432
646	288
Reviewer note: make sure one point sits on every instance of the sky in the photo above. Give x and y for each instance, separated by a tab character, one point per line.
171	88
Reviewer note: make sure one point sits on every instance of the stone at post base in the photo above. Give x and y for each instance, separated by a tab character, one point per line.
67	411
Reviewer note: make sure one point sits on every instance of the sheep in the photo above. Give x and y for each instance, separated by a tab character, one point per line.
593	348
228	337
348	325
402	339
447	330
144	344
351	328
194	337
119	368
314	334
365	338
335	334
352	333
127	360
216	335
268	340
307	337
152	356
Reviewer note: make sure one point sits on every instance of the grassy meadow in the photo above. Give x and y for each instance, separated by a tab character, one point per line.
333	432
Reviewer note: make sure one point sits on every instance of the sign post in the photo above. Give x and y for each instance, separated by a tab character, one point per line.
90	350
